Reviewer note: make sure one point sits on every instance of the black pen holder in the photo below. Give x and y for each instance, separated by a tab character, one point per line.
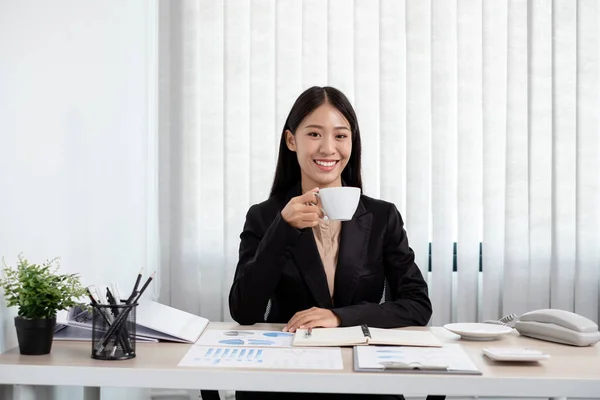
113	331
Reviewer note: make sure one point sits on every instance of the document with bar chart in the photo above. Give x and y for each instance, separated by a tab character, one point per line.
275	358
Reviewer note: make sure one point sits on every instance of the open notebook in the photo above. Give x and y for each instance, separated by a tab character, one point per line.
154	322
363	335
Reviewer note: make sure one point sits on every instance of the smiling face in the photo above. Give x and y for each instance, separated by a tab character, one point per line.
323	144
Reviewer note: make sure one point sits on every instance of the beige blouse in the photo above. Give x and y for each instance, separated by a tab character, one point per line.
327	236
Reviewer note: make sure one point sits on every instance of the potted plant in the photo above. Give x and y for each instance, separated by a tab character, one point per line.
39	291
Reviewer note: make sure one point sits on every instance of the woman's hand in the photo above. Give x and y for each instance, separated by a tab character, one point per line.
313	318
303	211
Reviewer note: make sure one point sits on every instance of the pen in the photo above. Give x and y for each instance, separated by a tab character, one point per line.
137	281
145	286
117	292
135	292
93	295
93	290
113	302
121	336
114	329
96	302
92	299
123	316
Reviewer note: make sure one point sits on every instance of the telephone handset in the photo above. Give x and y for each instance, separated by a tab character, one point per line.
558	326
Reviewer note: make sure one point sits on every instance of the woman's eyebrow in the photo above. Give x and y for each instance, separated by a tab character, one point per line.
321	127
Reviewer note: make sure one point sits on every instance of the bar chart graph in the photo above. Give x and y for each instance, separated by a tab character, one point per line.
248	357
231	356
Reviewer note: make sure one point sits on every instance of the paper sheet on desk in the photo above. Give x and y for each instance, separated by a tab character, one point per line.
451	355
273	358
245	338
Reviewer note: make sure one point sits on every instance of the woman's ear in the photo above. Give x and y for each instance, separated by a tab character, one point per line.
290	140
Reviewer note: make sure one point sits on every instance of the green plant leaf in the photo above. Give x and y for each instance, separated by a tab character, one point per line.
40	290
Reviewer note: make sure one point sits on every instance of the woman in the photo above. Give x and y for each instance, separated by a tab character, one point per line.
298	269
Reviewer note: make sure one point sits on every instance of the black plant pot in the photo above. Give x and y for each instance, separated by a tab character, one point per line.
35	335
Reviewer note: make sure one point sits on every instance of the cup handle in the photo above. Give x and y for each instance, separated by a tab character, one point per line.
325	217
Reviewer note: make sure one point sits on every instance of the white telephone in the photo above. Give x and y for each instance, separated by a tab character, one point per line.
558	326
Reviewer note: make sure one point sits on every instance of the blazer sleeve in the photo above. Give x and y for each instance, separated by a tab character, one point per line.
264	249
409	304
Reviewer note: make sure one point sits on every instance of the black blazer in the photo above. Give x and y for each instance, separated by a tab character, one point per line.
280	263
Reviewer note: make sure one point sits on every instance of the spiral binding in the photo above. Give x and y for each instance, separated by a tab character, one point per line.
366	330
502	321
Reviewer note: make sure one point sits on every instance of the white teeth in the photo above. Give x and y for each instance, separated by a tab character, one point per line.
326	164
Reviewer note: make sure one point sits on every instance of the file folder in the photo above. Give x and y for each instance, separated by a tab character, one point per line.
154	322
449	359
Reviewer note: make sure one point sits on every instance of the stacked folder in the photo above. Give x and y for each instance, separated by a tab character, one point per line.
154	322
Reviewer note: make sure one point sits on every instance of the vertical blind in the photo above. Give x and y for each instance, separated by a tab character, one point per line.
479	121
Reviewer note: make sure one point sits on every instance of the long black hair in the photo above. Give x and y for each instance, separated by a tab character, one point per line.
287	173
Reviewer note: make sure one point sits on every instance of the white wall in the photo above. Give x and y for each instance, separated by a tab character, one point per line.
74	112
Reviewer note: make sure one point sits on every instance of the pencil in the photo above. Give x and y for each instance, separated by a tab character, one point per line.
120	320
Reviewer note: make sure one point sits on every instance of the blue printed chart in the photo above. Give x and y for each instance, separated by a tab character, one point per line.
274	358
243	338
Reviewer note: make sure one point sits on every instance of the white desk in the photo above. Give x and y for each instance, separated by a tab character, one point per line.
570	372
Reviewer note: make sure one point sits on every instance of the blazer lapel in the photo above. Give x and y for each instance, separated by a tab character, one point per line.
309	263
352	254
308	260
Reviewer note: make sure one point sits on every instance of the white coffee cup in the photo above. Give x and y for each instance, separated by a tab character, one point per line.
339	203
